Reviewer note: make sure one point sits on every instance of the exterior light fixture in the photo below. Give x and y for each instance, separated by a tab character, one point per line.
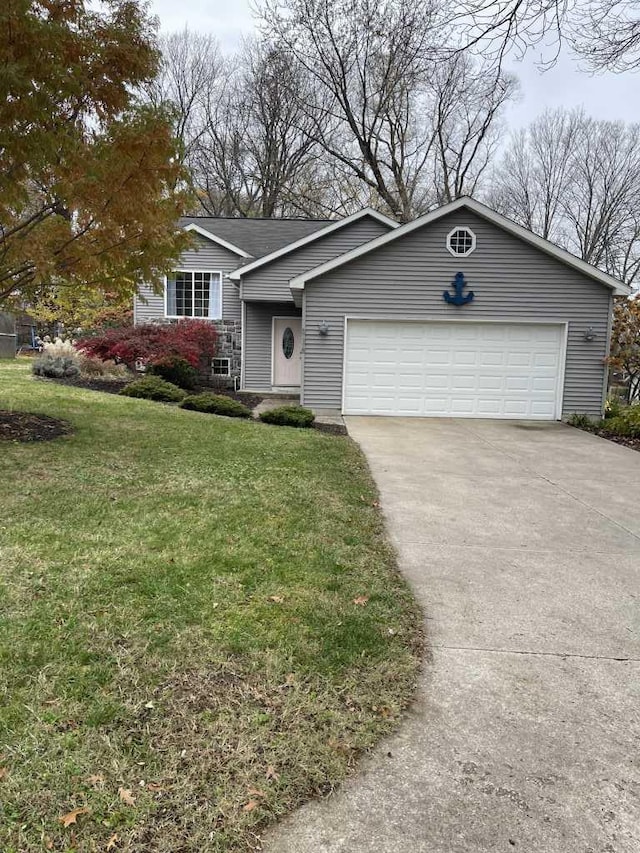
323	328
590	334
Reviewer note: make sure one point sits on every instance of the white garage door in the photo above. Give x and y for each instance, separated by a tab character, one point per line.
453	369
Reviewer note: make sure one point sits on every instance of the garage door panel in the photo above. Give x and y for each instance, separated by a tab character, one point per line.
452	369
465	358
544	384
492	358
463	383
545	359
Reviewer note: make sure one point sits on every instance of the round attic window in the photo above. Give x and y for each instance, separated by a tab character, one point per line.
461	242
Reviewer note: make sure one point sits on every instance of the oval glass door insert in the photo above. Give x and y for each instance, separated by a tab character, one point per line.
288	342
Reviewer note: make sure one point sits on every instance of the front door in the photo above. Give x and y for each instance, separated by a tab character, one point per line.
287	351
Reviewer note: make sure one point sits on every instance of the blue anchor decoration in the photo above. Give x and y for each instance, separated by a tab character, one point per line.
458	298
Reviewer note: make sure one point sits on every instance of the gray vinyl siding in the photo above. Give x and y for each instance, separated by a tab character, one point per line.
258	341
205	256
271	282
406	278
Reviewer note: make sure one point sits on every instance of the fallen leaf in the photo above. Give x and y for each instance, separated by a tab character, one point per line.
72	817
126	796
271	773
112	842
256	792
278	599
96	780
3	772
250	806
361	600
154	786
291	679
49	844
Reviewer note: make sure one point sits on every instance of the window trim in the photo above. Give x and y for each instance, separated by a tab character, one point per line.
221	375
473	241
191	316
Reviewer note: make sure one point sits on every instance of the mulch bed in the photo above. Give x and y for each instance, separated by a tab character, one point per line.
109	386
24	426
332	429
633	443
115	386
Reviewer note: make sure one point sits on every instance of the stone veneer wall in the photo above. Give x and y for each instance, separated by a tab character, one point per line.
230	343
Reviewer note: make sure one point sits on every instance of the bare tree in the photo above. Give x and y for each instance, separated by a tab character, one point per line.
190	71
377	83
536	171
467	103
576	181
256	156
605	33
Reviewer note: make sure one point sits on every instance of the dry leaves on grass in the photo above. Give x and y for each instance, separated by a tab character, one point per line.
112	843
271	773
96	780
256	792
250	806
3	772
72	816
361	600
277	599
365	500
126	796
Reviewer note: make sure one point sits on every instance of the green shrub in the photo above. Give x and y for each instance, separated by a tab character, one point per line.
154	388
626	423
175	370
581	422
215	404
293	416
613	407
56	366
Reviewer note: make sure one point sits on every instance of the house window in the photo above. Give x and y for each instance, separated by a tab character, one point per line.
461	242
194	294
221	367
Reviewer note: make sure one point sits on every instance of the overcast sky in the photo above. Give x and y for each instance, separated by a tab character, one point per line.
607	96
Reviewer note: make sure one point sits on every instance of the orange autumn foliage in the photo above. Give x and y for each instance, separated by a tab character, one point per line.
90	179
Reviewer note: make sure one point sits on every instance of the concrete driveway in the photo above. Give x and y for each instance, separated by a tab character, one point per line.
522	542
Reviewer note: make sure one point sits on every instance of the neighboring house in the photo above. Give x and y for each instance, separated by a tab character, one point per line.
460	313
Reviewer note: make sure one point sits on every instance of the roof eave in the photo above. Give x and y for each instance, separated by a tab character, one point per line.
237	274
618	287
197	229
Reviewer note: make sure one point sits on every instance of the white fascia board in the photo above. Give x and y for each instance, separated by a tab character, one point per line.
237	274
618	287
209	236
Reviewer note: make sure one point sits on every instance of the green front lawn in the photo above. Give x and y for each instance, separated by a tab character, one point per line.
200	624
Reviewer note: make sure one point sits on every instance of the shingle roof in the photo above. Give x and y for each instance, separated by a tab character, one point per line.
258	237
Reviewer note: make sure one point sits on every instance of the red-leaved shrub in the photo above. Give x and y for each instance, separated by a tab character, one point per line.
193	340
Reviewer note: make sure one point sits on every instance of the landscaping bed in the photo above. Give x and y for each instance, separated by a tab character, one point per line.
115	386
203	625
23	426
626	441
620	424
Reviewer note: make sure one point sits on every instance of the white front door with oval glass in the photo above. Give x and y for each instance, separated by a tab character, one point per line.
287	351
